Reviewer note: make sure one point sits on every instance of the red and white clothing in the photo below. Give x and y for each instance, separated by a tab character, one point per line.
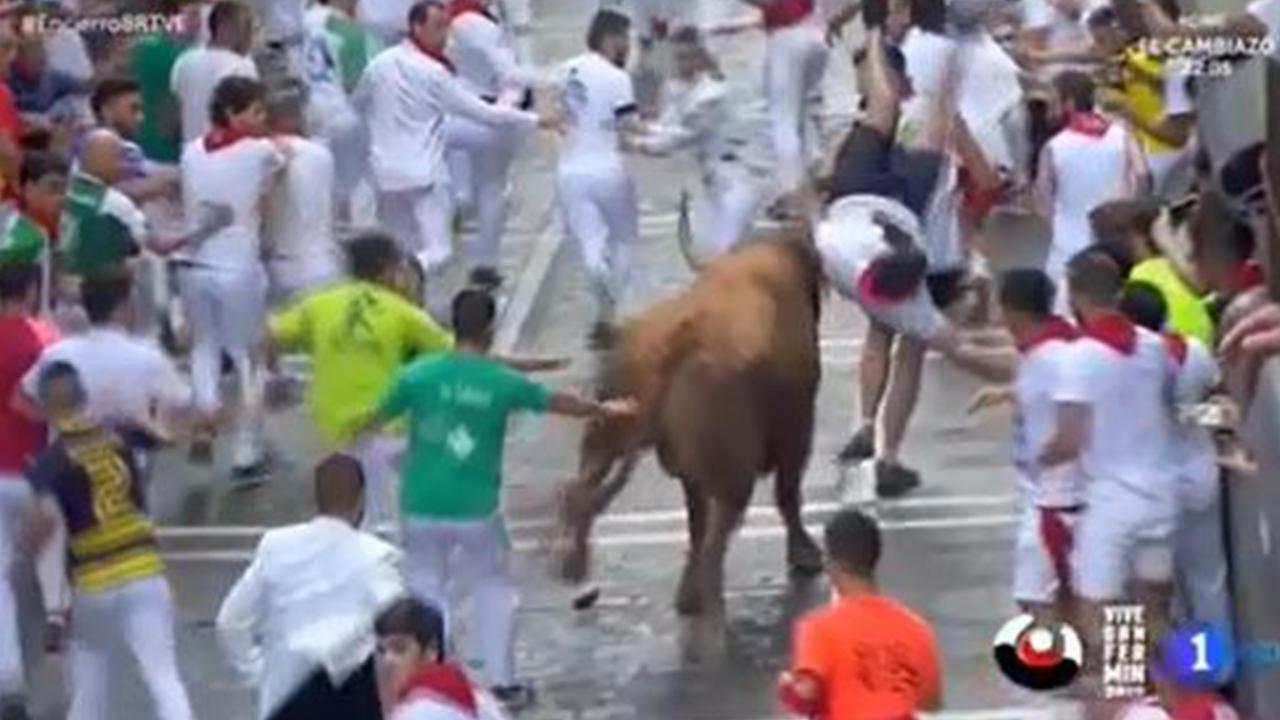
408	94
1124	373
1051	497
224	291
595	190
850	239
1086	164
480	154
443	692
193	79
796	56
20	439
1202	706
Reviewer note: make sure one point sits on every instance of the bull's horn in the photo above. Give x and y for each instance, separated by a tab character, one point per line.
684	234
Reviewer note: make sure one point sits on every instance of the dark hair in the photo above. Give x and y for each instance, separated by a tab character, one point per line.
109	89
17	279
853	542
371	255
339	483
1119	253
1144	304
1094	275
421	9
60	371
415	618
1027	290
1103	17
1217	232
1076	90
224	13
473	313
893	58
929	15
233	95
606	24
1114	221
103	294
38	165
898	273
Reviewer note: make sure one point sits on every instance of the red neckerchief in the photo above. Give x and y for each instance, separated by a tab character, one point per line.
1196	706
442	683
868	290
1053	328
785	13
1088	123
458	8
1177	347
48	224
1249	276
1113	330
436	55
221	137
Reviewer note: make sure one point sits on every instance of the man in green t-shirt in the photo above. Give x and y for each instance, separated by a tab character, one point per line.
25	232
457	405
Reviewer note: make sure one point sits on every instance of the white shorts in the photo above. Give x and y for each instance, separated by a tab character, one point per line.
1121	537
1035	579
915	317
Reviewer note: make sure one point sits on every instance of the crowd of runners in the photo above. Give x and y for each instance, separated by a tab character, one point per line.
184	208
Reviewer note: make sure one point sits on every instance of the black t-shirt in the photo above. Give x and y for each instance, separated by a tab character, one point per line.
869	163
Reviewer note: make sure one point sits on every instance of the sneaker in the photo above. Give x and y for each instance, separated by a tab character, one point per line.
894	480
486	278
861	446
514	697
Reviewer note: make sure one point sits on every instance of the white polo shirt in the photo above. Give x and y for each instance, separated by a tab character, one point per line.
1038	390
125	377
406	96
237	175
597	95
486	63
1129	450
301	247
194	77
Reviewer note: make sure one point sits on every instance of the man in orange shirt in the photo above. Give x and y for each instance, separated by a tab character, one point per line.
865	657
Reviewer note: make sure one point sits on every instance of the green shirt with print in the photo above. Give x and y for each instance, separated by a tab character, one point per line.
100	227
457	406
151	62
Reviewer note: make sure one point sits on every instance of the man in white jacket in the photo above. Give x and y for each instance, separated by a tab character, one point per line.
300	619
408	93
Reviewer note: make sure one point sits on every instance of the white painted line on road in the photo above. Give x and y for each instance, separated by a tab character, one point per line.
649	539
528	287
195	532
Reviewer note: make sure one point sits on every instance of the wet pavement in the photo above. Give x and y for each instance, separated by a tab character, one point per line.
947	549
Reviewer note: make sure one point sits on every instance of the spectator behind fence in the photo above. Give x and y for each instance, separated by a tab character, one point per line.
298	621
865	656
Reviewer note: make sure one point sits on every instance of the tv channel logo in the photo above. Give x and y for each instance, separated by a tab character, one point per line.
1202	654
1037	657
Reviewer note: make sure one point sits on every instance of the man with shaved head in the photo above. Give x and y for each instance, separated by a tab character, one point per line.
300	619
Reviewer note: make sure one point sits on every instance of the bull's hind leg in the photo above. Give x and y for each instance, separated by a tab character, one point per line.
706	633
689	596
792	434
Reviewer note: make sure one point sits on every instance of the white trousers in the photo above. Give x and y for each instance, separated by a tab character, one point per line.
226	312
15	496
725	210
379	458
475	555
1201	567
421	221
601	214
795	61
480	158
137	617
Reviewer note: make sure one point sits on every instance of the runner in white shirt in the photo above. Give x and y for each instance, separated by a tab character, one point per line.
480	155
1199	555
199	70
1092	160
224	287
302	253
699	115
1124	375
282	31
408	93
385	19
596	192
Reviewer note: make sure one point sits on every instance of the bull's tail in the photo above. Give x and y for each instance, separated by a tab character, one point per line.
684	233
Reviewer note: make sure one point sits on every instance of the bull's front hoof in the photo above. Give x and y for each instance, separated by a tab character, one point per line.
804	558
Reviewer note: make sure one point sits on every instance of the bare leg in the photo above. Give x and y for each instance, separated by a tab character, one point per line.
904	390
873	377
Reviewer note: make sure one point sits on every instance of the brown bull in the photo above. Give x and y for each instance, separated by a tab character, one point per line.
726	376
